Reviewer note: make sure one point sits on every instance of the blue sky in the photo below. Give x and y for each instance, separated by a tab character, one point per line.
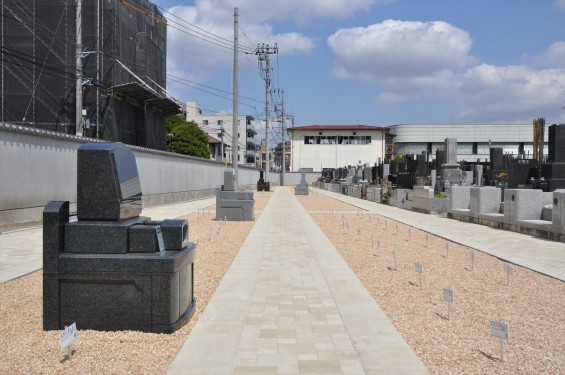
380	62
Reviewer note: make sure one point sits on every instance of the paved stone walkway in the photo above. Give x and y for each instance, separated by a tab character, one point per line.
290	304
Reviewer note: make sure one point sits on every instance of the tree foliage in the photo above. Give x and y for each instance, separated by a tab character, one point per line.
187	138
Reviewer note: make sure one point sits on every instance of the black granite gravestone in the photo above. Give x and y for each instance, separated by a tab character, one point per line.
263	185
113	269
554	170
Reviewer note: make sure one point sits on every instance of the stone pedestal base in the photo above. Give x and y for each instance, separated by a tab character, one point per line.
301	189
263	186
235	206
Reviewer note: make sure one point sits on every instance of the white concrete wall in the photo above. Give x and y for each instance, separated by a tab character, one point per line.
39	166
318	156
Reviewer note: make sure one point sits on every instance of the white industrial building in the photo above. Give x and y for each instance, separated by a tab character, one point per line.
473	140
334	146
220	126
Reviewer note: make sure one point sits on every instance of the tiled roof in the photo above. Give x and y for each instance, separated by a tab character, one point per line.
338	127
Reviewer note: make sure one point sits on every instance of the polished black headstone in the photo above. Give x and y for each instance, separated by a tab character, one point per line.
556	144
108	186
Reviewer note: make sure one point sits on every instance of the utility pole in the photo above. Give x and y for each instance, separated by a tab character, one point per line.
235	143
97	68
282	136
78	98
264	52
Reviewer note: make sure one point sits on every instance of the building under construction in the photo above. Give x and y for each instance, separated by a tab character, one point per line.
121	68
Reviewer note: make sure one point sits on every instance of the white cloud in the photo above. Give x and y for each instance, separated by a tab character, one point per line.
560	4
399	49
510	91
553	56
296	10
417	60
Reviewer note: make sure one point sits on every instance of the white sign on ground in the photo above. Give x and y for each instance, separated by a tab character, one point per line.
418	267
448	296
499	329
67	337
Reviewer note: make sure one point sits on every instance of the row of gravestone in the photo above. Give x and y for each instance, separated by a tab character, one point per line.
523	210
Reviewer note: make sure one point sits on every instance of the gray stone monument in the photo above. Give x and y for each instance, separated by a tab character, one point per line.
234	205
113	269
302	187
450	171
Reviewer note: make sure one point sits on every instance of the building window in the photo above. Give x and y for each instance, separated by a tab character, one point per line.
205	122
221	122
475	148
342	140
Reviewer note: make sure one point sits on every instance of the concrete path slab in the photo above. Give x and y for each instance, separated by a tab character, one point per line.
290	304
21	250
538	254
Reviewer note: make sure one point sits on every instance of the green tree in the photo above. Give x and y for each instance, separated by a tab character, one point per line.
185	137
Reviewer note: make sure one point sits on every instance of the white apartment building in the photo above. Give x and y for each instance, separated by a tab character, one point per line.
334	146
220	126
473	140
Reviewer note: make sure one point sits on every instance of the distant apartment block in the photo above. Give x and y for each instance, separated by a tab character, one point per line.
220	128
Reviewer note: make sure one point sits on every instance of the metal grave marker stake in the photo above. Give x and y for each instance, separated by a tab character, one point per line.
449	298
67	337
358	238
426	243
396	228
418	267
500	330
446	249
509	272
372	240
379	248
472	254
394	259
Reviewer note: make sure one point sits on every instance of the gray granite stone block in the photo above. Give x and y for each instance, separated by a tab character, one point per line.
99	237
377	194
522	204
235	206
125	291
423	192
558	213
108	186
458	198
450	152
228	180
175	233
485	200
237	195
55	217
145	239
302	187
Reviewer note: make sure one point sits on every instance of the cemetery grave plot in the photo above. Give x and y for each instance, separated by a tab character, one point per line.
319	202
26	348
532	304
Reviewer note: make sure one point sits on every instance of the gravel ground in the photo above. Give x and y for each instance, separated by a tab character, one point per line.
533	305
